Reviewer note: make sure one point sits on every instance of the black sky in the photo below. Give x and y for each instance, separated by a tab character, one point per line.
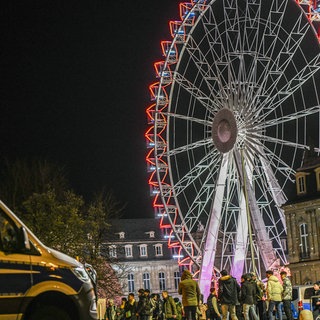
74	89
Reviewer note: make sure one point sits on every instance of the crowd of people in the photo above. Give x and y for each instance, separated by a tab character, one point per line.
146	306
250	300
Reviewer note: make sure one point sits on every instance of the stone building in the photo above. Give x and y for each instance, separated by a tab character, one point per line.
302	214
142	258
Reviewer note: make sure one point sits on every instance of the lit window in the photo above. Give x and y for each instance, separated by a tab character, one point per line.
162	281
112	252
128	250
158	250
143	250
131	282
176	277
304	241
146	280
301	183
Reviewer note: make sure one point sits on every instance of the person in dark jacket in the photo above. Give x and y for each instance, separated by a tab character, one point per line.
316	300
130	308
157	312
249	292
228	295
213	312
169	306
286	295
261	302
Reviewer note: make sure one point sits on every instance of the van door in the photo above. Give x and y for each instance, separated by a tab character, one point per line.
15	268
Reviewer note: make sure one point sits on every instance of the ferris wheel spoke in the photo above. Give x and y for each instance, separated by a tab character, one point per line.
283	142
292	86
205	69
207	123
280	165
273	185
188	147
194	91
275	69
292	117
198	170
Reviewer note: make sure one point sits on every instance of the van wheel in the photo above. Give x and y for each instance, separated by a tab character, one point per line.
50	313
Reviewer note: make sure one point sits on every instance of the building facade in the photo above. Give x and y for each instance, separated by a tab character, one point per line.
142	259
302	214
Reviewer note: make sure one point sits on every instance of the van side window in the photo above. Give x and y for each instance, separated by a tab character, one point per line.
8	235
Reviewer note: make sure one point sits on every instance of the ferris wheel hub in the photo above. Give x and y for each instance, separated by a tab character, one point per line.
224	130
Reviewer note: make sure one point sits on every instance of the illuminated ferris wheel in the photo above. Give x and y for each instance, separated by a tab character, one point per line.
235	106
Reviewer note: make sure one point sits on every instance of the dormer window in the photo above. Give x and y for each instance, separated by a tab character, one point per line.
151	234
121	235
301	183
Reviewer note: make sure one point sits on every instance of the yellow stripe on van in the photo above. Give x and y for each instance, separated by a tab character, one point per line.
16	271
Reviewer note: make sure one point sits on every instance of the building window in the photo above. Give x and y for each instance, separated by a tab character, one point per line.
301	183
304	240
284	244
131	282
146	281
158	250
112	252
143	250
176	278
121	235
162	281
128	250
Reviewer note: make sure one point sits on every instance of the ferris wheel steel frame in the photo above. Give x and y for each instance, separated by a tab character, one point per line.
242	160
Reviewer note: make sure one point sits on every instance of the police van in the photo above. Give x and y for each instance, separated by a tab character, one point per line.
39	283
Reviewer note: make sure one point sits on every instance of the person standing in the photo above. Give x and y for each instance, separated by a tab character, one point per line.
141	304
157	311
261	302
286	295
130	308
228	295
248	296
169	306
179	308
190	291
111	311
274	295
316	300
212	303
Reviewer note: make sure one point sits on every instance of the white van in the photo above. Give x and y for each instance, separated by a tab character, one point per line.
301	297
39	283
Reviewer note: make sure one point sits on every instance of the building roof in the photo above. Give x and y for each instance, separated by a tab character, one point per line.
135	229
137	233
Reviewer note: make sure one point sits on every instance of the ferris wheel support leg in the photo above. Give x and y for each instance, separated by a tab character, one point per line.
213	229
241	241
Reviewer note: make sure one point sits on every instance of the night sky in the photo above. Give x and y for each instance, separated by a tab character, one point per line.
74	89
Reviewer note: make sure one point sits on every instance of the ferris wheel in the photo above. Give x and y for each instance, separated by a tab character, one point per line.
235	106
